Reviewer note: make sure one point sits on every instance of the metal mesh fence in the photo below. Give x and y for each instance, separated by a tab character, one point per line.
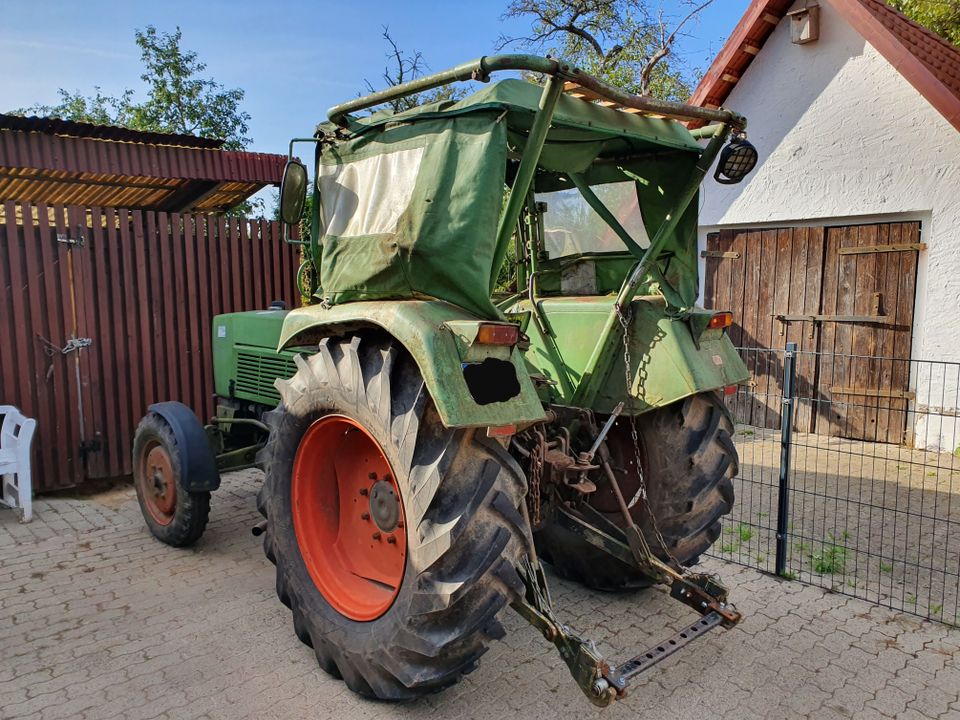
850	479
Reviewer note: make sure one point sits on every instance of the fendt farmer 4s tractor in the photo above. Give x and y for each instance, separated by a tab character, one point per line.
428	441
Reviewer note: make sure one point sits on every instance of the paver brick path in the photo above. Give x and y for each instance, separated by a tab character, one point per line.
98	620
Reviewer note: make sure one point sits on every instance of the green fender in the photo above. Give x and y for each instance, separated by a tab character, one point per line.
667	361
440	337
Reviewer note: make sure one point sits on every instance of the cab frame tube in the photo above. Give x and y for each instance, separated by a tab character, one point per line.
601	359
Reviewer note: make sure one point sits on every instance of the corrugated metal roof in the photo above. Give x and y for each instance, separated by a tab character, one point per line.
72	128
38	163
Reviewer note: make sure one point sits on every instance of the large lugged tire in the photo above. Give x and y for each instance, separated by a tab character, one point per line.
689	461
173	515
362	402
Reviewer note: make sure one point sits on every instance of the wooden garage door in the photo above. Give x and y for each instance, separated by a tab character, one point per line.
845	295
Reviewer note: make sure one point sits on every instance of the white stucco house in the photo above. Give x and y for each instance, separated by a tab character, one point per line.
846	237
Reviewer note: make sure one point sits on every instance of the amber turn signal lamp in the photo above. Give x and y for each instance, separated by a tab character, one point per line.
720	320
498	334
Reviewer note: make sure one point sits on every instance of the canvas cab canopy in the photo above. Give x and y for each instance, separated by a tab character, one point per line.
410	202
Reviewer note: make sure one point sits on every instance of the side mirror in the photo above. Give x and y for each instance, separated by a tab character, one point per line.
293	192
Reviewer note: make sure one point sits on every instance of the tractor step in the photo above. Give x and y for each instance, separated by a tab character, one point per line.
620	676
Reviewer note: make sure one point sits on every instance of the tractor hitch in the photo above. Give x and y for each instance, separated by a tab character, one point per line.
601	681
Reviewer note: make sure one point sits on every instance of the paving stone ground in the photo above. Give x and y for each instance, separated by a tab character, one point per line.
98	620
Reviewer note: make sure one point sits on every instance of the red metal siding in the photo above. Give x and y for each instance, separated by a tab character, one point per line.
144	288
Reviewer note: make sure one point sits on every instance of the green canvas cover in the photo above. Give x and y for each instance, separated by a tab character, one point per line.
410	202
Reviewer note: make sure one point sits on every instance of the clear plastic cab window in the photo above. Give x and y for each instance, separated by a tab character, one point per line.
572	227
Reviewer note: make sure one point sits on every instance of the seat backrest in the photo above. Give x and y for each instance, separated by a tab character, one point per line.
16	430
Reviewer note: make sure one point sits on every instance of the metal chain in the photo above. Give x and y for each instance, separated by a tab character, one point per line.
536	471
642	492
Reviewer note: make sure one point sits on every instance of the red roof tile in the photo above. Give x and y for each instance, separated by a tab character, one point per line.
927	61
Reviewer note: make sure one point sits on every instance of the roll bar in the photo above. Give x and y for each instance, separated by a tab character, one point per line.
482	68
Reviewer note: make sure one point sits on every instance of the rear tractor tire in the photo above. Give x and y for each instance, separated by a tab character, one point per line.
395	539
173	515
689	461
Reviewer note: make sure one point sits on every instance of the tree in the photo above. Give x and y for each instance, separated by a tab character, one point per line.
404	67
628	43
941	16
178	98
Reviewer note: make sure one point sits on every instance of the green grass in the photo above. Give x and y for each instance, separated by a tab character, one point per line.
746	432
762	515
936	609
745	532
789	575
802	548
886	567
831	560
760	557
729	548
911	600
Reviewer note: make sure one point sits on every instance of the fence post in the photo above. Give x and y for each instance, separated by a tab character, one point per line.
786	437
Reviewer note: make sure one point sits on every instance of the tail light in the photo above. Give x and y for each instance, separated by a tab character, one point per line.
720	320
498	334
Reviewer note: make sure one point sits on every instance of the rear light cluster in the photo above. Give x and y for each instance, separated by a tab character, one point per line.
720	320
498	334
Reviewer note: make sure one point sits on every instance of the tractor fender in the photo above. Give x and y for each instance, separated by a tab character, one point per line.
440	338
198	464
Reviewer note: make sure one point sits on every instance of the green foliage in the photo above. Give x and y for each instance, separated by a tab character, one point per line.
941	16
831	560
886	567
788	575
729	548
628	43
178	98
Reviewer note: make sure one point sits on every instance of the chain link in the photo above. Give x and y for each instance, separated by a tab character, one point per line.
533	497
642	492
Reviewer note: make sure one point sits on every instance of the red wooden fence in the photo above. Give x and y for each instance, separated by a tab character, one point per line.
104	311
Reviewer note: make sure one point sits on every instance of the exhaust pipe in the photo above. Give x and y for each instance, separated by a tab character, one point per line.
259	529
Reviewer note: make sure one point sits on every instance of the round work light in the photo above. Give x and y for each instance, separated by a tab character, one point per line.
737	159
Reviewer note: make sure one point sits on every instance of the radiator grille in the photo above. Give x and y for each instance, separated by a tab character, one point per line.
256	373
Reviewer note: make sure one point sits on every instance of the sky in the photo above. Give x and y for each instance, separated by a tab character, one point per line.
294	59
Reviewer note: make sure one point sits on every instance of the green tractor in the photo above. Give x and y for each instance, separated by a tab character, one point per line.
500	363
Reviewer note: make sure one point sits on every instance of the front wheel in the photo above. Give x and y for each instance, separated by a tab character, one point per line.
395	538
173	515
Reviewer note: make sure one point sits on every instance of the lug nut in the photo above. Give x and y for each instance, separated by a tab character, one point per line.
365	516
392	540
372	476
364	491
376	536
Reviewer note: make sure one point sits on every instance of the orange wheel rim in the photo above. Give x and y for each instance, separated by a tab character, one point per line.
158	484
348	518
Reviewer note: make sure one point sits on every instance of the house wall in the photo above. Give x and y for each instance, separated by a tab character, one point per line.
844	138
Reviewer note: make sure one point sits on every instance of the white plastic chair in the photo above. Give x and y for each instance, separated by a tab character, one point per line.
16	434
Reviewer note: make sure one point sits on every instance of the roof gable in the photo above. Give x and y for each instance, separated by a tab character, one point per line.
927	61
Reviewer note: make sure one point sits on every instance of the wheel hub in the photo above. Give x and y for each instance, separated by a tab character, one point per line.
158	485
348	517
384	505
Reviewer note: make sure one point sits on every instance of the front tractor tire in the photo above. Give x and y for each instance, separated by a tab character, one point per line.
395	539
689	461
173	515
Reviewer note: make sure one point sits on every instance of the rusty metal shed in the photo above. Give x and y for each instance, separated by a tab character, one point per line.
47	160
